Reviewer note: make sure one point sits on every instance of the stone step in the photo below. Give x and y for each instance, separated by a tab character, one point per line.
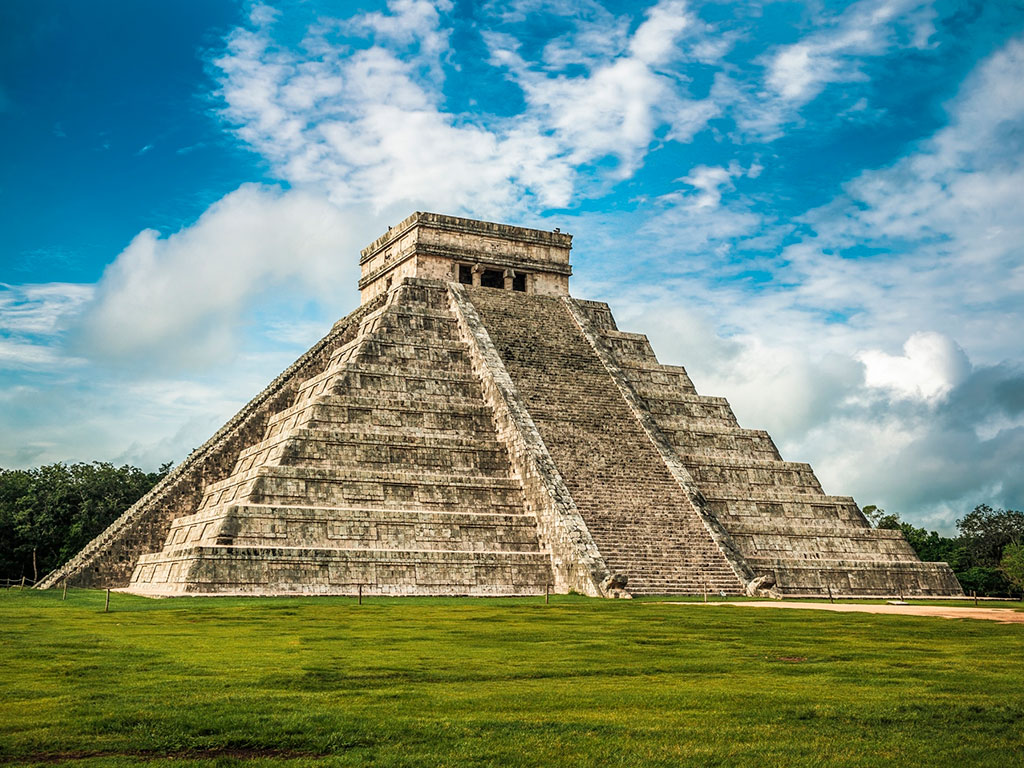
598	313
396	437
810	543
681	405
656	391
819	578
419	412
716	439
413	293
795	527
456	379
383	379
406	320
399	309
643	371
281	570
742	462
429	337
355	474
710	474
700	416
716	455
807	509
327	487
437	353
308	448
341	528
629	347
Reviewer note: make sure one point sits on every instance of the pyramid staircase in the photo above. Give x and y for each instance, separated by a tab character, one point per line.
641	520
384	473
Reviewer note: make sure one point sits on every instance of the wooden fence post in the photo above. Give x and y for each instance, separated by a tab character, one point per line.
547	589
106	606
830	594
360	594
64	594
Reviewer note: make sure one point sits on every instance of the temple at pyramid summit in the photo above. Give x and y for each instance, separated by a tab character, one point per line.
473	429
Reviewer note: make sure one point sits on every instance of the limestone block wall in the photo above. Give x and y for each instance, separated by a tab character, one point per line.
321	571
310	527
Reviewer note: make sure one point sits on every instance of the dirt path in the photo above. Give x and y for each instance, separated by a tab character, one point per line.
1002	615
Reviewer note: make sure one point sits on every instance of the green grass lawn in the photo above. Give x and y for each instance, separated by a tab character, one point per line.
424	682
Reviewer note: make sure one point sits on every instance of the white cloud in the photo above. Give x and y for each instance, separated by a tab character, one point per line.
410	23
709	181
833	52
931	365
371	125
367	127
654	41
40	308
615	107
32	318
951	210
21	354
180	298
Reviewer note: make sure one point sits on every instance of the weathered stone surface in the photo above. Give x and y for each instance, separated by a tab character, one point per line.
473	430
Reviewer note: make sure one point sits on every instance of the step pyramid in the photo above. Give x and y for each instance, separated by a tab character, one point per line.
472	429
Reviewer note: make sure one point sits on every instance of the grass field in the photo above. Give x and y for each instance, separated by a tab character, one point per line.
424	682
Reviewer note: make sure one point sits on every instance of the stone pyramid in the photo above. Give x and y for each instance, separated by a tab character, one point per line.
471	429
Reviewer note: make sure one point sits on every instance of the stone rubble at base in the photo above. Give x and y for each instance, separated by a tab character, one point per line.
449	438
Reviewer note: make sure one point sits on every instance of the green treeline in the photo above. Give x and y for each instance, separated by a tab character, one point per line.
49	513
986	556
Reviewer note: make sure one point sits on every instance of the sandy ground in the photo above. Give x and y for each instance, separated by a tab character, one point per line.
1002	615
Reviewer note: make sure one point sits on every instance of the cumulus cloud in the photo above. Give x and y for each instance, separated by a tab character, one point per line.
180	298
930	366
654	41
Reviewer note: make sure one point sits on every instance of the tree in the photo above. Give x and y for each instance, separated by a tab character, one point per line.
873	514
985	532
49	513
1012	565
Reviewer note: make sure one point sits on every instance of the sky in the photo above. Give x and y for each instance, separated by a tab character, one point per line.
816	208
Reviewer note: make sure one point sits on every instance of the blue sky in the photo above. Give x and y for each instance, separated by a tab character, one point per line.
814	207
